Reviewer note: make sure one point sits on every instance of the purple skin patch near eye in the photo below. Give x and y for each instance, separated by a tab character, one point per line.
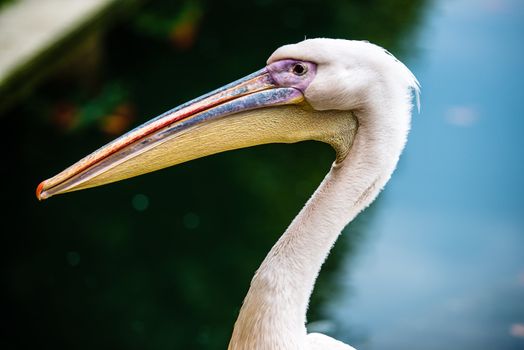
286	73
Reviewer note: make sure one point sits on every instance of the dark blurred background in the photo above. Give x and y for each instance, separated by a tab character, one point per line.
164	260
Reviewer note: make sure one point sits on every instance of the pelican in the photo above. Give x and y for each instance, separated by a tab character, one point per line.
353	95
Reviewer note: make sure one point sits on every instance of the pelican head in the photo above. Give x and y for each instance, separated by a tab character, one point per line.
307	91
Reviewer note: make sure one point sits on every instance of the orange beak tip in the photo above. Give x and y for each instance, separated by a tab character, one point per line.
39	191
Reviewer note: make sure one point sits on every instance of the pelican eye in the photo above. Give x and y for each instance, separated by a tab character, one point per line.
299	69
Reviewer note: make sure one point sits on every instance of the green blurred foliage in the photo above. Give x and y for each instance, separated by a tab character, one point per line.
163	261
5	3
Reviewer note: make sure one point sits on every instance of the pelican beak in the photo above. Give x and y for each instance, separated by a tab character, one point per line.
258	109
250	111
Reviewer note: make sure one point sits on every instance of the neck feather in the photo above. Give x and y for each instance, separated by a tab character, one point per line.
273	315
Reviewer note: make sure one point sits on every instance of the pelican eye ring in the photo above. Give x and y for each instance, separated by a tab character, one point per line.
299	69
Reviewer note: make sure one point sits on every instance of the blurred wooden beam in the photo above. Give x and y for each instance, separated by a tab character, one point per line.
39	36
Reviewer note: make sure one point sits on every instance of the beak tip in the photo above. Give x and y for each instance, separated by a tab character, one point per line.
41	196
